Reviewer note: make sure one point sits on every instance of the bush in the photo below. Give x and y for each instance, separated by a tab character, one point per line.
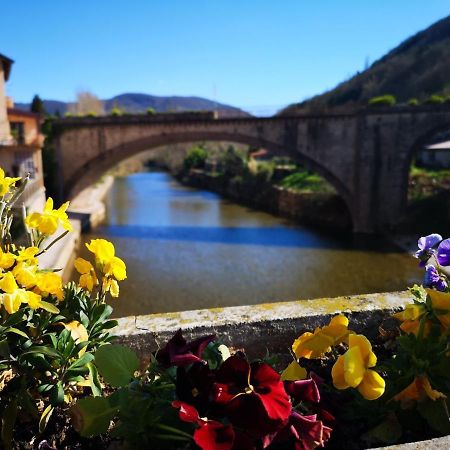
413	102
434	100
195	158
383	100
151	111
91	114
116	112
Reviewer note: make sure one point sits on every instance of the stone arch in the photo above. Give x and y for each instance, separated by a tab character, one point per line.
91	170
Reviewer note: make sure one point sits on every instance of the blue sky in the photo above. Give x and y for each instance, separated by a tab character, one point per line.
256	54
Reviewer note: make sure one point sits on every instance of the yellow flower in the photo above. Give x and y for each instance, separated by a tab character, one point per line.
410	318
418	390
352	369
293	372
50	283
102	249
78	333
116	268
6	259
6	182
88	278
440	303
13	296
25	274
28	255
110	285
310	345
47	222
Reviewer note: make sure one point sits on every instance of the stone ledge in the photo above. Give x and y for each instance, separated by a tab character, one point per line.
270	326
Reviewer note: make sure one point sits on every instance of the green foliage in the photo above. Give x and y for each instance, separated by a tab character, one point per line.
234	162
306	181
383	100
413	102
151	111
434	100
195	158
91	114
116	111
117	364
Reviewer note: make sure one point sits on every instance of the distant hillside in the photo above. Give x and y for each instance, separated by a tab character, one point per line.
139	103
417	68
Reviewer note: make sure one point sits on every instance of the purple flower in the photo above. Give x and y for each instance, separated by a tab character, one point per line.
433	278
426	246
443	253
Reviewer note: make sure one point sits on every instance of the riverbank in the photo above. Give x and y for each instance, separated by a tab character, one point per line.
322	210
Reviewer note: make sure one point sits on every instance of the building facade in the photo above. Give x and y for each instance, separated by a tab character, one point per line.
21	143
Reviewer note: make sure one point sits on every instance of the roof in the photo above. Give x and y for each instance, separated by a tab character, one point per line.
23	113
440	146
7	63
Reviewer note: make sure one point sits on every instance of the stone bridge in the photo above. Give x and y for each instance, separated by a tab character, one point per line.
364	153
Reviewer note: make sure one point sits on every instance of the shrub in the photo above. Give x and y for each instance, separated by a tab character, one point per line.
413	102
151	111
383	100
116	112
91	114
195	158
434	100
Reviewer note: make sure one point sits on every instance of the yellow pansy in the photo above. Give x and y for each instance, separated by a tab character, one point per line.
88	278
48	221
102	249
418	390
78	333
6	259
440	303
314	345
50	283
352	369
293	372
6	182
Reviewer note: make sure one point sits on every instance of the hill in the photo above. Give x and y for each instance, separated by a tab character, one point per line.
417	68
139	103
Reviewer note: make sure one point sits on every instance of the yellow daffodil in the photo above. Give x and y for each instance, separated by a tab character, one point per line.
49	283
6	259
6	182
352	369
48	221
293	372
314	345
88	278
78	333
419	390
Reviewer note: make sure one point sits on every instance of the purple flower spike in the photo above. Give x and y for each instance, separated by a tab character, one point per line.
443	253
426	246
433	279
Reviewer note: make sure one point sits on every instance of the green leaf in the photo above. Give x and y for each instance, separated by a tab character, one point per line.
49	307
116	363
47	351
92	415
94	380
435	413
387	432
17	331
4	348
8	421
81	362
45	417
57	394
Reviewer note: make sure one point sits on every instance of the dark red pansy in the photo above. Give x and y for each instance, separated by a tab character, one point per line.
252	396
210	434
178	352
303	432
303	390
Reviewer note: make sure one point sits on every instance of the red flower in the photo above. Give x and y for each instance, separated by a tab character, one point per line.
303	432
178	352
303	390
252	396
210	435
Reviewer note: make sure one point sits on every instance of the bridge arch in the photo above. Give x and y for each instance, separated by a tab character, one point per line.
95	167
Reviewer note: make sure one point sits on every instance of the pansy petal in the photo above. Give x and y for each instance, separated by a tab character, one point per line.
372	386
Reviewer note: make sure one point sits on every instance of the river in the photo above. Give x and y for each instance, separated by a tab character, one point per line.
188	249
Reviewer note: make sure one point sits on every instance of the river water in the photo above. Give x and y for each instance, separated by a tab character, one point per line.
189	249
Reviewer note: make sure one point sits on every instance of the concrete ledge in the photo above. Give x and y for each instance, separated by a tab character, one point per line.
257	328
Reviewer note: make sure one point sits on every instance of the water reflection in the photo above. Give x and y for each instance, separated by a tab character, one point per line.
188	249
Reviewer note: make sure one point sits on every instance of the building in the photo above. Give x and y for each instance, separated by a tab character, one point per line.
21	143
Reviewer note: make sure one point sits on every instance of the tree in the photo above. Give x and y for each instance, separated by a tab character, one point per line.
87	103
37	105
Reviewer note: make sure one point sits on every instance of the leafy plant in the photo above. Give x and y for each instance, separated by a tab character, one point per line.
383	100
